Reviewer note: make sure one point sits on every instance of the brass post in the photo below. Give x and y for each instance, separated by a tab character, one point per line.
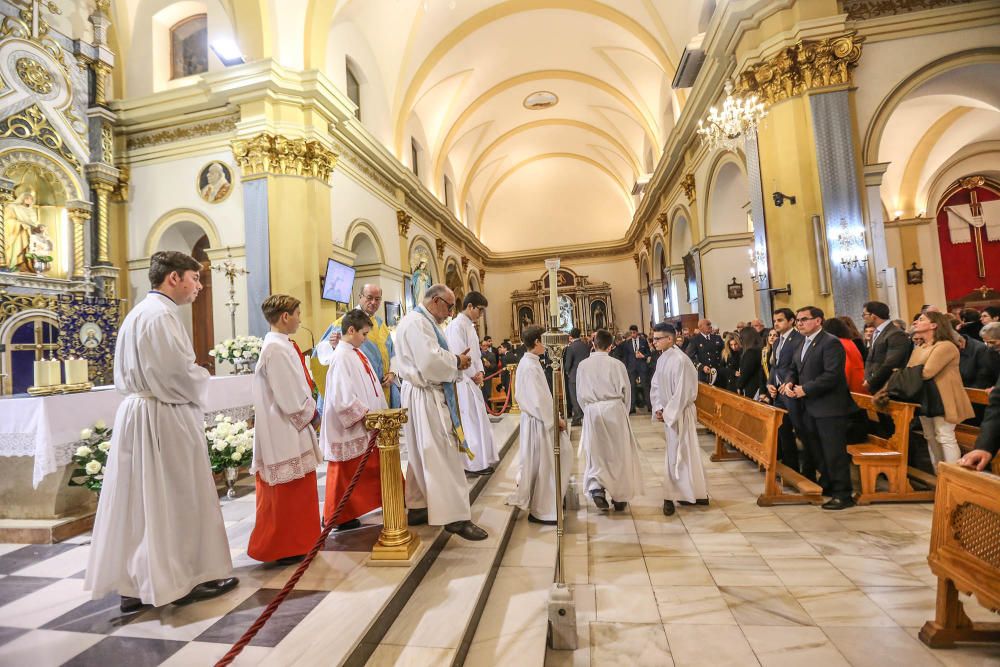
515	409
396	543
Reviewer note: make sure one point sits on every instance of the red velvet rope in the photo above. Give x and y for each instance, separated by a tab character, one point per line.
303	566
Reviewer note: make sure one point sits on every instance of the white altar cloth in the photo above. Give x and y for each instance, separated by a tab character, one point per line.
48	427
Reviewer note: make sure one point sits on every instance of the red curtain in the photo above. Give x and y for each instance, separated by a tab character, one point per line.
961	272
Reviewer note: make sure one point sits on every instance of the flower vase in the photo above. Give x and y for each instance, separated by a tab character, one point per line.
231	473
243	366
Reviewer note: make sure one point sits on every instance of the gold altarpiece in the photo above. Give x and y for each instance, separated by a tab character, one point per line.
58	177
582	304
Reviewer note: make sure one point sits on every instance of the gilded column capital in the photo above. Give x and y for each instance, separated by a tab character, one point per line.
482	276
635	258
808	64
439	243
277	155
663	219
689	191
465	263
647	244
403	219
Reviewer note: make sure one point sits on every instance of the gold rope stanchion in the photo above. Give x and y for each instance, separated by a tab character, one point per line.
515	409
396	543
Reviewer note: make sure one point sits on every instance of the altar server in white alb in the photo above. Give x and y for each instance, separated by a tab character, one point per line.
536	480
673	393
159	536
461	334
436	491
613	459
285	451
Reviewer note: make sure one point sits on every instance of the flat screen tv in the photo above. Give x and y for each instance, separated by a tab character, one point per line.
338	282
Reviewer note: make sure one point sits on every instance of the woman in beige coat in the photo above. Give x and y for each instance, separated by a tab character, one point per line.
937	351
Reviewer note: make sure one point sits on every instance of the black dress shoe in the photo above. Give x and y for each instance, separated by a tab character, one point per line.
467	530
290	560
545	522
488	470
838	504
668	508
699	501
600	500
348	525
416	517
209	590
620	505
129	605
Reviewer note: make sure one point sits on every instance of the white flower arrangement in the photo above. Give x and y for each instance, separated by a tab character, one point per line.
91	457
230	444
242	351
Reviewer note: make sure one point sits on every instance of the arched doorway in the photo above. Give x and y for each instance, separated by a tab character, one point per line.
453	279
203	326
28	337
730	240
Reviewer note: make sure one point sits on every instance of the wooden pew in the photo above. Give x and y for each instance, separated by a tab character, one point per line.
888	457
752	428
964	555
967	435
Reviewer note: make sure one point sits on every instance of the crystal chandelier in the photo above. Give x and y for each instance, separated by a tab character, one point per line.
725	129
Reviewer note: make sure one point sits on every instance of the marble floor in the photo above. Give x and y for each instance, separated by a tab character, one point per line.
737	584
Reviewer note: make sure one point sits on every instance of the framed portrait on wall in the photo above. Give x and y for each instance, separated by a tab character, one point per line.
391	313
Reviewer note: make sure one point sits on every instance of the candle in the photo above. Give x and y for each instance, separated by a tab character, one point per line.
40	373
76	371
552	265
55	372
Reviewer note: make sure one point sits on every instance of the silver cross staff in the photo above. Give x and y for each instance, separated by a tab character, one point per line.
230	270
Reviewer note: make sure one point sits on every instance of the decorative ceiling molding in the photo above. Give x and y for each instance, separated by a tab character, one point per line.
861	10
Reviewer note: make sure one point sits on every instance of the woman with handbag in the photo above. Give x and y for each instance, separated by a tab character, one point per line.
938	353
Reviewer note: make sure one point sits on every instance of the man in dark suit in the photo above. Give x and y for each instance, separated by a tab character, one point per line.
577	350
785	350
705	350
819	382
889	349
988	442
489	368
634	356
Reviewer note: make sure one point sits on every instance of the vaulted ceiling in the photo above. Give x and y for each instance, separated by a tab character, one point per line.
454	76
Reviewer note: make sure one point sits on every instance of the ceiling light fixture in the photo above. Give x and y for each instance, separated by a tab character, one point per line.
541	99
726	129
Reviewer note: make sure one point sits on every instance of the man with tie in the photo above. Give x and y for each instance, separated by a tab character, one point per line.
705	350
789	343
888	350
819	383
635	358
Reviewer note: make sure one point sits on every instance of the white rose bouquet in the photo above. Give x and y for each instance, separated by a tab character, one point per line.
230	444
90	456
242	352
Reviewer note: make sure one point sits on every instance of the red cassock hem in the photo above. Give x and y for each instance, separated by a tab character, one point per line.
367	495
287	519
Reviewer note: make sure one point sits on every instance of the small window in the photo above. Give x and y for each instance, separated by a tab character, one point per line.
449	194
189	47
415	156
354	92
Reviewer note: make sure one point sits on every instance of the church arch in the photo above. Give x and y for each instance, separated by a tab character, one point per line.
423	247
362	233
680	234
728	196
186	217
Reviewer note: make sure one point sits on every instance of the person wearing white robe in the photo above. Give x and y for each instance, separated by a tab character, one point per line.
673	393
461	334
536	479
436	491
613	458
159	534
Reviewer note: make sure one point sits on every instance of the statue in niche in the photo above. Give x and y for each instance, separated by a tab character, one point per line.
29	246
565	313
420	280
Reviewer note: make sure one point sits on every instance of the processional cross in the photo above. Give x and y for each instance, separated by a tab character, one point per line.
230	270
976	221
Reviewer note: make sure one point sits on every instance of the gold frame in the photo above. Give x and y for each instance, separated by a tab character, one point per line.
170	36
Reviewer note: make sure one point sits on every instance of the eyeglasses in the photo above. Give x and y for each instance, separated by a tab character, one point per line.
450	305
805	319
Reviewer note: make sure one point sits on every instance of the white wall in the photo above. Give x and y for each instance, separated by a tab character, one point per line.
718	266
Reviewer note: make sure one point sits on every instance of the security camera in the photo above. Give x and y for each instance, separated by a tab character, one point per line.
779	199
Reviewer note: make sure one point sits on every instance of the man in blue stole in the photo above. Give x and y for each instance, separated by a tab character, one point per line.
378	347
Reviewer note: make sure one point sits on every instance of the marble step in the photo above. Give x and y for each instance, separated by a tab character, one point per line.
440	621
348	624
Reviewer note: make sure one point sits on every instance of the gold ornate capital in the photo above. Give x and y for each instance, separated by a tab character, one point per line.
439	243
804	66
635	258
663	219
482	276
647	244
465	263
274	154
972	182
688	184
403	219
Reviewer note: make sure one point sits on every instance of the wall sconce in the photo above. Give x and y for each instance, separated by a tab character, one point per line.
780	197
914	275
852	250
